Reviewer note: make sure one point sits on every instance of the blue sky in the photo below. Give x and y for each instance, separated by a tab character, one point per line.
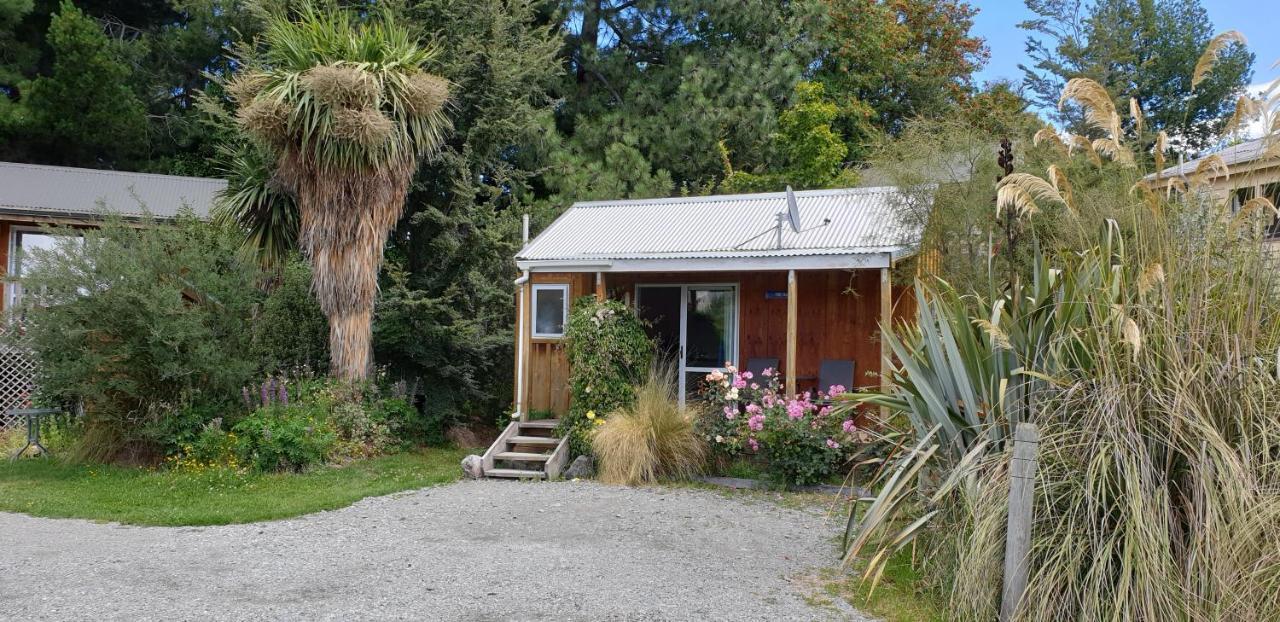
1256	19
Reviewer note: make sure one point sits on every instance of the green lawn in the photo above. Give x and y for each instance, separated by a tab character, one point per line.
46	487
897	598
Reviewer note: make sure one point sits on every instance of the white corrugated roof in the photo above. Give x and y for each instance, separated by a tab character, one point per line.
861	221
1240	153
40	190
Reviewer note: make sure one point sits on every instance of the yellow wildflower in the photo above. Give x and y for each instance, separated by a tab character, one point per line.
591	414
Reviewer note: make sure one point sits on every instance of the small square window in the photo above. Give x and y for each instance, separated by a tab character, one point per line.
550	309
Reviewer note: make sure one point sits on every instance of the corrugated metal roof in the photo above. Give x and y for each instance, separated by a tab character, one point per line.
861	220
39	190
1241	153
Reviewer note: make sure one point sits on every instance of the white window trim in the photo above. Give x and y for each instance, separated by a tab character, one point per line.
533	309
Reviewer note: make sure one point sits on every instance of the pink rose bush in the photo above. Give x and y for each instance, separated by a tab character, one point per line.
796	437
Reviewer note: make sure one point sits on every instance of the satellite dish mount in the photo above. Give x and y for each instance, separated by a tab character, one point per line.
791	216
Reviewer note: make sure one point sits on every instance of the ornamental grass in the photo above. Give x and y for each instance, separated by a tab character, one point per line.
651	440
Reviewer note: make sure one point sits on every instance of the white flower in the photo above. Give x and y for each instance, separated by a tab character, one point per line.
719	439
515	415
732	394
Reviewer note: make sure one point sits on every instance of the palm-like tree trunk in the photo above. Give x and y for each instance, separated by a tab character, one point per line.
345	220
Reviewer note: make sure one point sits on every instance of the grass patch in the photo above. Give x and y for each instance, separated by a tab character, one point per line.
898	597
50	488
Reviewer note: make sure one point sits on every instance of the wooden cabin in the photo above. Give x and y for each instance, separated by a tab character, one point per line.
720	279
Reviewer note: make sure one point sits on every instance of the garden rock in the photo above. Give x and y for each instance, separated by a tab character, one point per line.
473	466
582	467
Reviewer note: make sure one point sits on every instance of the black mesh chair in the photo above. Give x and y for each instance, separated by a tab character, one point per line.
833	372
757	366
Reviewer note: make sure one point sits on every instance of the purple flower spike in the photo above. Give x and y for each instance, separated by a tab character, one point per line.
283	393
264	394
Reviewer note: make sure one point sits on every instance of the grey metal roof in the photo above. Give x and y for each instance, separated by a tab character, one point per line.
57	191
862	221
1240	153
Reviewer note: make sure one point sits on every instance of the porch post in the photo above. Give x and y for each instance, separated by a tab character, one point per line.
526	320
886	321
792	313
599	287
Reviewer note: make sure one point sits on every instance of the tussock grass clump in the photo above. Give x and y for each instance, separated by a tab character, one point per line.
651	440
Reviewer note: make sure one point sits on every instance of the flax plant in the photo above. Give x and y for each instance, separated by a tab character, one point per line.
1149	362
346	110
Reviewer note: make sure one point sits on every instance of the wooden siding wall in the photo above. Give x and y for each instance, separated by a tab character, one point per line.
547	374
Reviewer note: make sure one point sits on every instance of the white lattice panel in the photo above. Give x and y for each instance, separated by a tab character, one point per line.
17	371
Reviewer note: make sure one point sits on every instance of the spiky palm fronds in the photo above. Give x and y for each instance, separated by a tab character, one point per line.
255	203
347	110
1209	58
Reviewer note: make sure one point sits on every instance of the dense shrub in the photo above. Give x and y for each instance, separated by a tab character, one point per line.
798	438
650	440
609	356
285	437
145	326
290	330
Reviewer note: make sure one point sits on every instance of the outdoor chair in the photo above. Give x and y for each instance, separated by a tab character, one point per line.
833	372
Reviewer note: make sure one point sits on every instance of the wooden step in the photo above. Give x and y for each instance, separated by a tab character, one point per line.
543	424
522	456
533	440
514	473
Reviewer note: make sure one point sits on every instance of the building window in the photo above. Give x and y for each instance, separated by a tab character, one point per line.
21	242
550	310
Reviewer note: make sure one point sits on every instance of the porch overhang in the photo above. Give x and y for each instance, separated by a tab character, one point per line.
727	263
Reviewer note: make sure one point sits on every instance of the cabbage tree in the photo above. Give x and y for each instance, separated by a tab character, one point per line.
346	110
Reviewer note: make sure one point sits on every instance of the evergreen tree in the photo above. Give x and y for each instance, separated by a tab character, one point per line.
1141	49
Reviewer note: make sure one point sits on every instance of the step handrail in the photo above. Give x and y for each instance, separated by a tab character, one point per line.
498	446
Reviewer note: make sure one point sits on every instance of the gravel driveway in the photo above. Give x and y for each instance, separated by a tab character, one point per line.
481	550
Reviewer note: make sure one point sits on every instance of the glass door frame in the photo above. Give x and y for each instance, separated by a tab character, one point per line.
685	288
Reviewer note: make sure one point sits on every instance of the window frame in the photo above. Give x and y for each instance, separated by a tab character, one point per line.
533	309
13	289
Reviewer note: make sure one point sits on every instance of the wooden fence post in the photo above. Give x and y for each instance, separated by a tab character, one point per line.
1017	543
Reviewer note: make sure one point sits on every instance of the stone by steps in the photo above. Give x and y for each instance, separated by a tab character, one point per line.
527	450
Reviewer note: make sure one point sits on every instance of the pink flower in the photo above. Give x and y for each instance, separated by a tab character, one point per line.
766	372
748	375
730	412
756	422
795	409
822	412
767	400
754	409
832	444
739	383
755	446
755	387
836	389
848	426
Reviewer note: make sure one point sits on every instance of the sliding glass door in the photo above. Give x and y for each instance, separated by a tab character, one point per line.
695	326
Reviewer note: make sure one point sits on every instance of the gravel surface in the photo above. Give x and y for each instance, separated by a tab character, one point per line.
475	550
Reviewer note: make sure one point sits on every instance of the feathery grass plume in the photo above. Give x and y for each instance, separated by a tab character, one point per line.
998	337
651	440
1099	110
1050	135
1084	144
1209	58
1058	179
1151	276
1115	150
1132	335
1244	218
1135	112
342	86
1020	191
1247	109
1149	197
1205	170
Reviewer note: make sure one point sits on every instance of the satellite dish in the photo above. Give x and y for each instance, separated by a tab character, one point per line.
793	210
